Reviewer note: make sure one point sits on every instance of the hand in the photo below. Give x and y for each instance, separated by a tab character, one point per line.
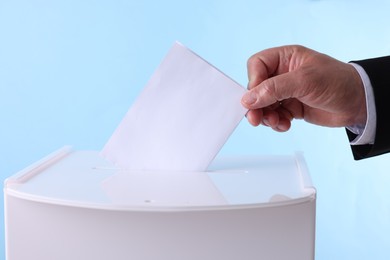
295	82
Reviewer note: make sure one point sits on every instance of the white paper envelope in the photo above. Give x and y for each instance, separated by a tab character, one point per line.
182	118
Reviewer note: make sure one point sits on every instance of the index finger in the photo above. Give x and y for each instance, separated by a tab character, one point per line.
268	63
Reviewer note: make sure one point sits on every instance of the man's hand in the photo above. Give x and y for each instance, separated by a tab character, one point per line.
295	82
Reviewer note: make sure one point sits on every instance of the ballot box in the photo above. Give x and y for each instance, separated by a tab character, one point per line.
75	205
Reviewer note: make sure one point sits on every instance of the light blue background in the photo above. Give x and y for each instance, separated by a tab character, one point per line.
69	70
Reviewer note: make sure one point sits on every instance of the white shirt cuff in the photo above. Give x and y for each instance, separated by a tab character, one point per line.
365	133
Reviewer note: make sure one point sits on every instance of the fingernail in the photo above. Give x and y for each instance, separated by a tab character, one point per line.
249	98
282	128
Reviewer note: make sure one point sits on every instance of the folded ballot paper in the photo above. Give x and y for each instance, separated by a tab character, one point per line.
182	118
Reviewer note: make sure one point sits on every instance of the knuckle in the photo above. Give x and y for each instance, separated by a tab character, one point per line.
252	61
269	89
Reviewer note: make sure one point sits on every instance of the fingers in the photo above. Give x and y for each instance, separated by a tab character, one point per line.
255	117
270	78
258	71
273	77
278	117
267	63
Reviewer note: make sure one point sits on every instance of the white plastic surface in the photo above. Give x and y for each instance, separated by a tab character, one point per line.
83	178
75	205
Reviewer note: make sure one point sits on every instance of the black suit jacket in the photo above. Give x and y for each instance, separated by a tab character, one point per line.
378	70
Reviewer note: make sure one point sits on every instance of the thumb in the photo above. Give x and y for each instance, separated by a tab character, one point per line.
272	90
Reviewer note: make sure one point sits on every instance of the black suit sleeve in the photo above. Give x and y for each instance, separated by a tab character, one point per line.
378	70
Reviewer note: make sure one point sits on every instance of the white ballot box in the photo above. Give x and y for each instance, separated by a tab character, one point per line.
76	205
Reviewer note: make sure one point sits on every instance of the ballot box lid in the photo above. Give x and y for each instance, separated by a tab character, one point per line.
85	179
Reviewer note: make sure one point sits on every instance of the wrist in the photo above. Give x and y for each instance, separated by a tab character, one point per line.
365	132
359	107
